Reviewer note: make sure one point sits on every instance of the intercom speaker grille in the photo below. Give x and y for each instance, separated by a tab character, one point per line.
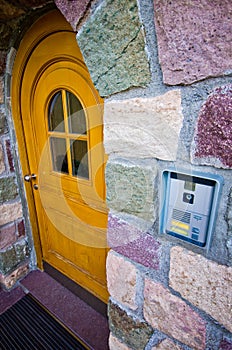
182	216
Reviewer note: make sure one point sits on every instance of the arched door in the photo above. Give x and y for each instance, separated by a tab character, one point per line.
61	121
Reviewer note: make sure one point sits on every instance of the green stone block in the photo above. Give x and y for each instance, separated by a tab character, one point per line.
113	47
8	189
130	329
13	256
22	251
130	188
3	126
8	260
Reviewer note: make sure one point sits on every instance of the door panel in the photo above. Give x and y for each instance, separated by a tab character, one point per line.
62	119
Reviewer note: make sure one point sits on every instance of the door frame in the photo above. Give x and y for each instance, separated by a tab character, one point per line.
30	40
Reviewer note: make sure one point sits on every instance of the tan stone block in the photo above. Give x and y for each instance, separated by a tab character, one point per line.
144	127
115	344
121	280
172	316
9	280
204	283
10	212
2	164
166	344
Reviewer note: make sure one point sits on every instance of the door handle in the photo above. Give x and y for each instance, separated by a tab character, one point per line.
29	178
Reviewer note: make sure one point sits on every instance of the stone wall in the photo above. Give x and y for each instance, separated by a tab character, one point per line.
164	69
165	293
14	249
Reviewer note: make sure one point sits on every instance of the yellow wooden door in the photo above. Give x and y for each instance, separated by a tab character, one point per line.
62	120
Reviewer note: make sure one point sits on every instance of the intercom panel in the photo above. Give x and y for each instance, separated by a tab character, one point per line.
189	205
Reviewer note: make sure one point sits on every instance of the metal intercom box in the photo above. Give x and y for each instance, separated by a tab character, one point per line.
189	204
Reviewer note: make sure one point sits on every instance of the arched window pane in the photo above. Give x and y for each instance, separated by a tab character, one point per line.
76	115
56	114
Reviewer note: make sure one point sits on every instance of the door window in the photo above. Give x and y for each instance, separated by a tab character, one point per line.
68	135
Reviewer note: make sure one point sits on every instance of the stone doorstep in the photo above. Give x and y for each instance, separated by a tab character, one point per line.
88	324
74	313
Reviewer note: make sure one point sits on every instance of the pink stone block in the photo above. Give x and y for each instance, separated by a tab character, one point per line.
213	137
226	345
115	344
73	10
7	236
172	316
21	228
144	251
9	156
194	39
204	283
121	280
129	241
120	232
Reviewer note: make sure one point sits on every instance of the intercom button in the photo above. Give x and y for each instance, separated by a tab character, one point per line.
197	217
195	230
195	237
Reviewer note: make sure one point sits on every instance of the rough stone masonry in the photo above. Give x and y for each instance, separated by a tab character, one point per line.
164	69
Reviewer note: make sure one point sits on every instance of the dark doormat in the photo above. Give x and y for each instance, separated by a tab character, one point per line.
28	326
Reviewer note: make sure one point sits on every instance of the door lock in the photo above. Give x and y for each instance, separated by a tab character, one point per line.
29	178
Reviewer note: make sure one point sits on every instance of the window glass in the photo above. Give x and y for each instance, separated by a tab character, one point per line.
76	115
56	114
79	157
59	154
